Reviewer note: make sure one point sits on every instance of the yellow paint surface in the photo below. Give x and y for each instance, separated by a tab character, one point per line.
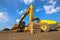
48	21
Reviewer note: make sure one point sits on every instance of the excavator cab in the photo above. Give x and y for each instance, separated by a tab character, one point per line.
18	28
22	26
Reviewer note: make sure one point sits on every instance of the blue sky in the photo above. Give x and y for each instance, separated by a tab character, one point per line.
12	10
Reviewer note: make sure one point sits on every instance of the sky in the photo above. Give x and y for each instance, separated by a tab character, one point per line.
12	10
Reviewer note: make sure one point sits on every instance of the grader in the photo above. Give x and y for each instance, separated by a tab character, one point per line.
32	27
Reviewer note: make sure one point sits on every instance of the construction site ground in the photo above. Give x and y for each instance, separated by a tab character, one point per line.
54	35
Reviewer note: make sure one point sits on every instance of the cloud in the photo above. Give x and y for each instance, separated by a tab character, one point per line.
37	10
17	20
58	8
21	11
3	17
53	2
28	1
50	9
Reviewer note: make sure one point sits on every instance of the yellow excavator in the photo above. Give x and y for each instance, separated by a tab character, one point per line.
32	27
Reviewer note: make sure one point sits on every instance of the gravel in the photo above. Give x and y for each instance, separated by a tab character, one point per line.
55	35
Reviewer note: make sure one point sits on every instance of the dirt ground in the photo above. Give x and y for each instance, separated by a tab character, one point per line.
27	36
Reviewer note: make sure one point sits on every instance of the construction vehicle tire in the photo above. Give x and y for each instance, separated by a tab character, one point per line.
44	27
57	28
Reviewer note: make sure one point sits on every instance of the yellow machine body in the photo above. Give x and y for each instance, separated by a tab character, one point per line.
31	13
43	25
28	11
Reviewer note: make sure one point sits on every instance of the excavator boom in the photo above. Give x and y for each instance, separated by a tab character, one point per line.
23	16
28	11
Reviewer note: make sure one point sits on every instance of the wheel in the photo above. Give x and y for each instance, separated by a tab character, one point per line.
45	27
57	28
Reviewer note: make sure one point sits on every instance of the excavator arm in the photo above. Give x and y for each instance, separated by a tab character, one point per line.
23	16
28	11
